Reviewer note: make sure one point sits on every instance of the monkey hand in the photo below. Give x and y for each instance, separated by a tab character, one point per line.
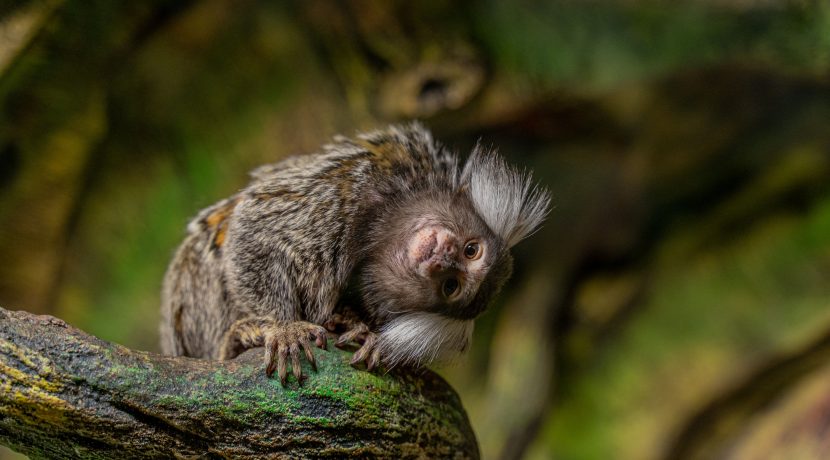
283	342
368	352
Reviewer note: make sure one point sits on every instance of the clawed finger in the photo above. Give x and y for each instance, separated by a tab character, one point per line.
374	360
345	338
357	334
360	355
309	355
294	352
367	353
321	338
282	365
270	363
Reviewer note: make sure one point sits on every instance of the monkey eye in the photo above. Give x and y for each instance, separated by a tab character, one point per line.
472	250
450	287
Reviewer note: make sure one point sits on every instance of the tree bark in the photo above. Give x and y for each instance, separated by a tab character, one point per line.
66	394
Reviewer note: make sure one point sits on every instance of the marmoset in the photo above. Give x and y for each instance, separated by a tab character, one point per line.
385	235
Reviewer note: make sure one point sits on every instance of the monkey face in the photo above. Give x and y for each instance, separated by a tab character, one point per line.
454	261
451	266
441	258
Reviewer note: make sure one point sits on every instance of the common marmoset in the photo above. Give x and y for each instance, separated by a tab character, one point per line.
383	233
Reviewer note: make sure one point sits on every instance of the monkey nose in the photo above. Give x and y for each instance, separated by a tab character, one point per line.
436	267
446	251
442	264
449	260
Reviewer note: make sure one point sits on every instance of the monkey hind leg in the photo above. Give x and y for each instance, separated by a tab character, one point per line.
284	341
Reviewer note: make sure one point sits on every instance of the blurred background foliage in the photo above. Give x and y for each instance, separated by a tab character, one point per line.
675	305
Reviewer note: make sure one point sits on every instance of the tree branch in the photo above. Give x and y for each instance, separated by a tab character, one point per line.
66	394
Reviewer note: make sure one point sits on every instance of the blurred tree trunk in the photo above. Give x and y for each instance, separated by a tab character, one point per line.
55	75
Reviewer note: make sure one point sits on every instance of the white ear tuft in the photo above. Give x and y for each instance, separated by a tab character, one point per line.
510	204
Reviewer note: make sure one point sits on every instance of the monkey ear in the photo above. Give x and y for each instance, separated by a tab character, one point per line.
508	201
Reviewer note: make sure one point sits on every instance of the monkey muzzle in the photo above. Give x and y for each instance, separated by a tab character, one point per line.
432	250
442	263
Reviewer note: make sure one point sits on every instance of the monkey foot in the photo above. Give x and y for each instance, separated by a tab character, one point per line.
283	342
368	352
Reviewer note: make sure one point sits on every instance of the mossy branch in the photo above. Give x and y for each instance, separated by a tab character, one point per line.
66	394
